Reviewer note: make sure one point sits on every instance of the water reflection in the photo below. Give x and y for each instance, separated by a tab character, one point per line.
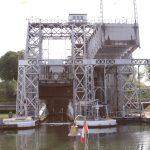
27	140
102	130
43	138
124	137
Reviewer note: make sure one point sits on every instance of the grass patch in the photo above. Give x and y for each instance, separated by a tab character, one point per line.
3	116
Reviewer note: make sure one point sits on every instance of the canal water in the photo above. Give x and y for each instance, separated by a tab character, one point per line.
45	137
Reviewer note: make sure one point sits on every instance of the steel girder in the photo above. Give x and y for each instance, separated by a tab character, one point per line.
58	30
95	62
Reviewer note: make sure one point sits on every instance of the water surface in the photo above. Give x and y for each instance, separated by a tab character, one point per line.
123	137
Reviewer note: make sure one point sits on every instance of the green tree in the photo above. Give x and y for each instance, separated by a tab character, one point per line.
148	72
8	73
11	87
8	91
9	65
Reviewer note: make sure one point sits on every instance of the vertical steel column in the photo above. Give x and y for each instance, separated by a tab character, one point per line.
111	89
20	105
28	93
128	92
90	89
78	40
139	91
106	78
31	88
101	12
83	83
135	11
33	54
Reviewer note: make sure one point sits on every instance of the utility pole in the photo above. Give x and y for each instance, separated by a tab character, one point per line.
101	11
135	12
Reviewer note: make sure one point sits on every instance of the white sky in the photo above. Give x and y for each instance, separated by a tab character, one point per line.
13	14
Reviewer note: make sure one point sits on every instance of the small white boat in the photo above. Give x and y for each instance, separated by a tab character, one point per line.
98	123
20	122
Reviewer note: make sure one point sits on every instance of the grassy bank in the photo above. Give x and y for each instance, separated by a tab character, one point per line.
3	116
6	115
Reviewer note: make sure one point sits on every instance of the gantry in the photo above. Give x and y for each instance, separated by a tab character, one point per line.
100	69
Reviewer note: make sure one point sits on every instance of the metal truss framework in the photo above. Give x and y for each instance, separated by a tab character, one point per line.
82	67
128	91
83	83
27	96
28	73
20	105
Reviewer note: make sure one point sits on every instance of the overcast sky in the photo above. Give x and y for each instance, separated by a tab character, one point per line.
14	14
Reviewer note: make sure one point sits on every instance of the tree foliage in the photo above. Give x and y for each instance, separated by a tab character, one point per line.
11	88
8	73
9	65
148	72
8	90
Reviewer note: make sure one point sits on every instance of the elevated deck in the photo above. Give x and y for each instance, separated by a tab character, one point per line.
113	41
